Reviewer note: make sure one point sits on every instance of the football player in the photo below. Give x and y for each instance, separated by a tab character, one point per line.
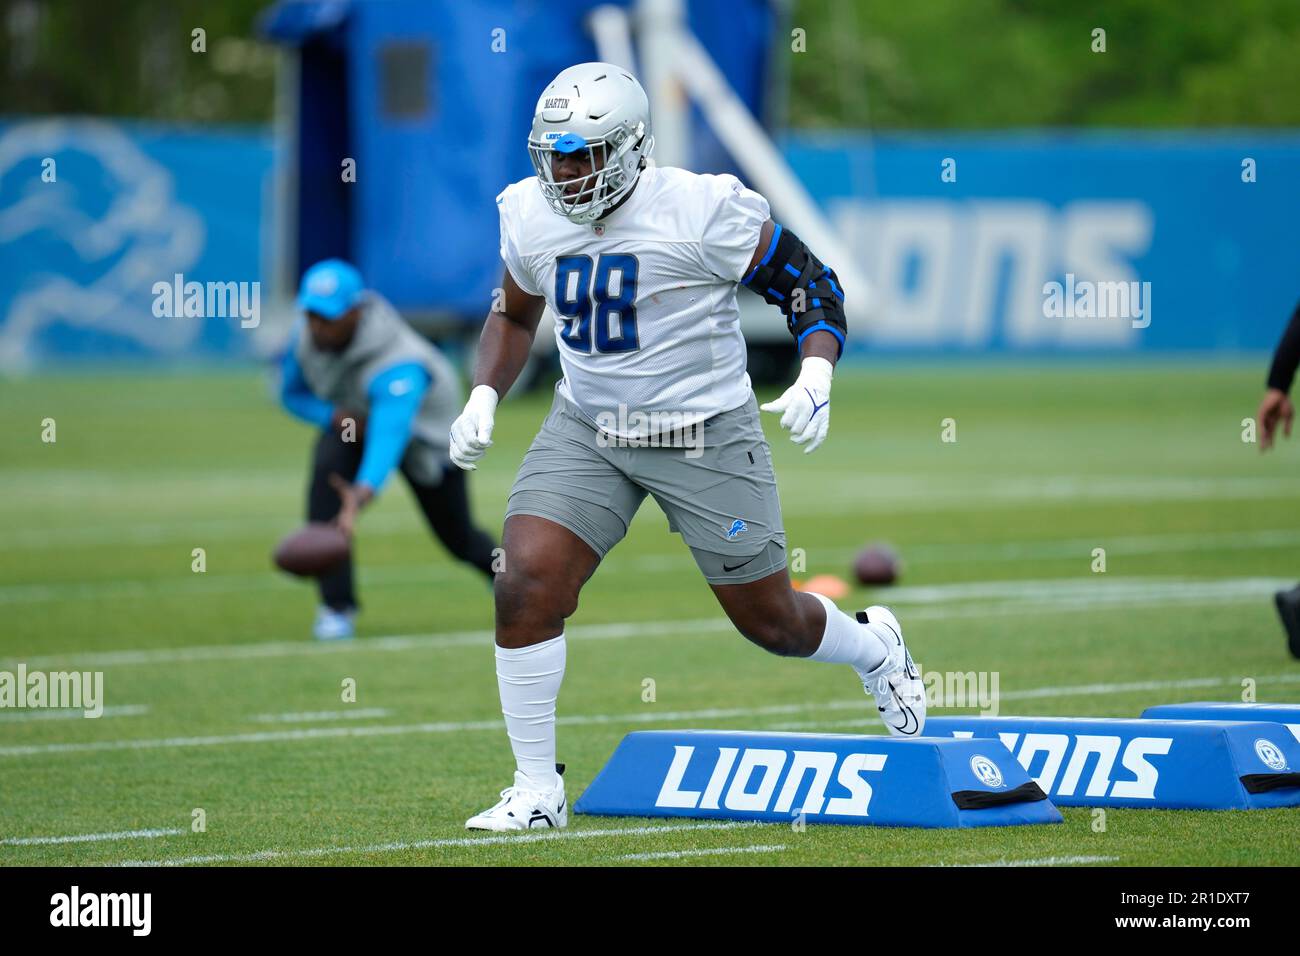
1275	410
640	265
381	396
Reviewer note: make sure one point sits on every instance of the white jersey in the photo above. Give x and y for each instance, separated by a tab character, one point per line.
645	300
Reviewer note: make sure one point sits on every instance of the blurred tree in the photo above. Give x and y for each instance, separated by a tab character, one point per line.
1014	63
883	63
135	58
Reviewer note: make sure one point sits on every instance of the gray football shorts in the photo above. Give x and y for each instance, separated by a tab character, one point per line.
719	493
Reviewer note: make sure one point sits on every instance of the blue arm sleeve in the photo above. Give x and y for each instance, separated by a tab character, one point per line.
298	399
395	396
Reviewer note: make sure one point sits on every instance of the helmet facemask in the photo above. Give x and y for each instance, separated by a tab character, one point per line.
616	160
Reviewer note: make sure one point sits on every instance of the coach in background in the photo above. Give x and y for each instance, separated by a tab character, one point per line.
383	398
1276	409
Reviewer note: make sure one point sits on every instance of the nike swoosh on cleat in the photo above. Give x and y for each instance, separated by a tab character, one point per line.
913	722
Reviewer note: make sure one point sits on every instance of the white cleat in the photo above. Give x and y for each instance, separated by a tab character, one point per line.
524	809
896	683
332	625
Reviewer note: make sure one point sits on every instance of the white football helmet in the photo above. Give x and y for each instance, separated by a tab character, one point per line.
600	108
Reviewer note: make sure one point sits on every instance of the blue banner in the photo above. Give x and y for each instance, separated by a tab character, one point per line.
129	241
1066	242
1286	714
123	241
823	778
1169	764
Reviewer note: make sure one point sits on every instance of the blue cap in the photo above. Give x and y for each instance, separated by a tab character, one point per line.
330	288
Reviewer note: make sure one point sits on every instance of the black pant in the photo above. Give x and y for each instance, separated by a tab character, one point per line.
445	507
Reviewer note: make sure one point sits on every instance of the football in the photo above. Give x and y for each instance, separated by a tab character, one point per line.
312	550
876	564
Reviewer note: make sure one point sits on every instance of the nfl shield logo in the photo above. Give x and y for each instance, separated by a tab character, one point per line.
598	229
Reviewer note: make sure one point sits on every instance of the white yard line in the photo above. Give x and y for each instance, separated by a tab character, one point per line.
1061	548
70	713
209	584
648	716
322	716
888	492
1089	587
666	562
381	730
1047	861
385	524
1133	687
199	532
1094	592
1036	693
547	836
218	740
393	642
1175	543
89	837
716	851
913	493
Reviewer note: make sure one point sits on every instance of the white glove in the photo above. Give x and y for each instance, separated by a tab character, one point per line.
805	408
471	433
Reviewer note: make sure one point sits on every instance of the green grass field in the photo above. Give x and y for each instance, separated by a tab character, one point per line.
218	700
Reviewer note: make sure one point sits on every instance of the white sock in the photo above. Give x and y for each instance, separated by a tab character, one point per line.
528	679
845	641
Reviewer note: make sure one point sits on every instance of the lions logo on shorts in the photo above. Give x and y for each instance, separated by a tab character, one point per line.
986	770
737	526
